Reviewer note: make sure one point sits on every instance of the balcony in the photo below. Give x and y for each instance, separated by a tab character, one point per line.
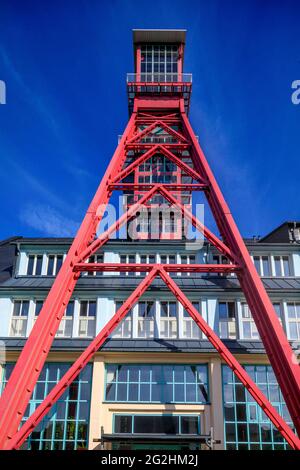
156	84
159	78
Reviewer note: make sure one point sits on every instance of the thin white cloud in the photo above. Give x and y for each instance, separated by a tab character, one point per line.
48	221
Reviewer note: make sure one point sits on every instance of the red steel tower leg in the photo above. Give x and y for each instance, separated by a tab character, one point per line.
278	349
20	386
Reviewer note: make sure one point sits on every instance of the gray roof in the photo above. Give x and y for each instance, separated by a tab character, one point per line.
159	35
114	283
149	345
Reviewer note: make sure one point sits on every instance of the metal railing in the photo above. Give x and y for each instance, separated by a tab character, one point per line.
159	78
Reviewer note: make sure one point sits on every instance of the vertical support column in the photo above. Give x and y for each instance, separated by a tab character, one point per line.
76	318
216	397
239	321
97	397
157	319
30	318
212	314
44	264
6	307
180	320
22	265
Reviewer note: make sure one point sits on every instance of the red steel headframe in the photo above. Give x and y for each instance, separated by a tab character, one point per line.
25	374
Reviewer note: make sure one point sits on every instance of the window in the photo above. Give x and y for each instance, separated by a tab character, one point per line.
220	259
246	425
157	424
124	329
168	320
147	259
168	259
248	325
159	63
161	383
95	259
227	320
54	264
19	318
66	324
293	312
190	328
262	265
282	266
66	425
146	315
34	266
278	311
187	259
125	259
38	307
87	318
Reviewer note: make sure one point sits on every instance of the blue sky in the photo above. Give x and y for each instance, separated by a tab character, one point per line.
64	65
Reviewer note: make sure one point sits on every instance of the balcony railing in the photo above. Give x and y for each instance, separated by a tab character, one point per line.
159	78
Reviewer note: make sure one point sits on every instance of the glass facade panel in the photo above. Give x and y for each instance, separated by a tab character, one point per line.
157	383
66	425
157	424
245	424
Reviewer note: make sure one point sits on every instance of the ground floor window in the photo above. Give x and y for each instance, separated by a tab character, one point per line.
65	427
246	425
156	424
159	383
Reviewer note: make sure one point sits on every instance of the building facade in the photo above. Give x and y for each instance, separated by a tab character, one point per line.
156	374
157	382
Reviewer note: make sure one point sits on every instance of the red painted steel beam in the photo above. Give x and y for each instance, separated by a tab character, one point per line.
159	148
171	268
197	224
126	217
233	363
20	385
278	349
78	365
148	186
158	123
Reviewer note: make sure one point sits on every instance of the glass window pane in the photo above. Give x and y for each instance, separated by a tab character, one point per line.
277	262
50	265
30	265
286	266
123	424
189	425
59	261
38	267
266	266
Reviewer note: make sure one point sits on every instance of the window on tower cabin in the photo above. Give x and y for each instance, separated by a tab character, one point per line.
159	63
157	169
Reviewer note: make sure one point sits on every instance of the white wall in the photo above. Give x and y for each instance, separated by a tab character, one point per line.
5	316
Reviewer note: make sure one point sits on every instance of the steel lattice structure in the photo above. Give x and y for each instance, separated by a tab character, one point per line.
163	106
